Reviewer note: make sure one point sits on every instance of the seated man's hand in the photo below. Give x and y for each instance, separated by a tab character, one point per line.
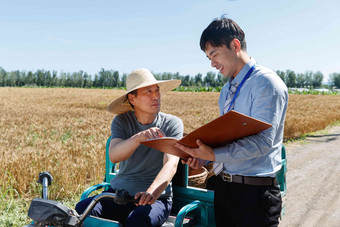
150	133
194	163
145	198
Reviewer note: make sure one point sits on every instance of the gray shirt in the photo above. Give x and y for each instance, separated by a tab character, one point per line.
138	172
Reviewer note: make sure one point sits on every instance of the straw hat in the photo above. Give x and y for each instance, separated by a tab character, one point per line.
138	79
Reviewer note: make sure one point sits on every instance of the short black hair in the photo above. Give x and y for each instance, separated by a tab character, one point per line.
222	31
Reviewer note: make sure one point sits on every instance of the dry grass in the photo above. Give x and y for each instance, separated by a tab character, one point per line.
64	131
310	113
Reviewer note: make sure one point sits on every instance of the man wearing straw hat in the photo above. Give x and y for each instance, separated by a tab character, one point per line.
144	172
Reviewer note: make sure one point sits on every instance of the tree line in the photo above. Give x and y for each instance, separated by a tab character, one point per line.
112	78
308	79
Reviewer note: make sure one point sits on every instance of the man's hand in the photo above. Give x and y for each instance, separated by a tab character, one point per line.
121	150
150	133
145	198
202	152
194	163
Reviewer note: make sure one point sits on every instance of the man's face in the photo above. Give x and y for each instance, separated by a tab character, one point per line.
148	100
223	59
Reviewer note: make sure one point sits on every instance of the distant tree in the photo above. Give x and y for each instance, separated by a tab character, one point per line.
209	79
54	79
77	79
115	78
11	79
186	81
87	80
106	78
198	80
317	79
96	82
300	80
40	77
334	79
47	79
158	76
69	80
166	76
176	76
2	77
192	81
123	81
20	77
110	79
309	79
30	78
290	78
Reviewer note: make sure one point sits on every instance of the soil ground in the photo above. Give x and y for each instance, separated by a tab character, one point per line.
313	180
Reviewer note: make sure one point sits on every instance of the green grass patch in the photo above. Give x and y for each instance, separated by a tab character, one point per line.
67	135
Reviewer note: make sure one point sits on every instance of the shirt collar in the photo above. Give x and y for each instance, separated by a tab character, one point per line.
239	77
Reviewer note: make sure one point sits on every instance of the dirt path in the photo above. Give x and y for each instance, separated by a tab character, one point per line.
313	180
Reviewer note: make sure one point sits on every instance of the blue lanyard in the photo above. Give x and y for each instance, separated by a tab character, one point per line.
241	84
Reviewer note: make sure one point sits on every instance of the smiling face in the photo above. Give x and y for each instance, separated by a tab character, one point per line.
224	59
147	100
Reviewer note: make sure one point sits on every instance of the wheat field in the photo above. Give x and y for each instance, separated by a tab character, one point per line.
64	131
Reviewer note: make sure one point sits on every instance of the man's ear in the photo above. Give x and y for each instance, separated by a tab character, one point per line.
131	98
235	45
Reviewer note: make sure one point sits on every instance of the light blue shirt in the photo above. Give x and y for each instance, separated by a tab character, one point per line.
263	96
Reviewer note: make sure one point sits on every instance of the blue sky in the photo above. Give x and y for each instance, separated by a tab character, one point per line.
73	35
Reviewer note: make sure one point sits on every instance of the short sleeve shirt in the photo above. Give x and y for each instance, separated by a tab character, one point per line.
141	168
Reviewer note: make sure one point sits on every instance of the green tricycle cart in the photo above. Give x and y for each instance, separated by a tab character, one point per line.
192	206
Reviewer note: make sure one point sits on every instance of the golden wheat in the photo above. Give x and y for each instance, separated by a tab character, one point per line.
64	130
309	113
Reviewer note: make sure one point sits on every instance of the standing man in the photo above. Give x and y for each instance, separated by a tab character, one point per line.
246	192
144	172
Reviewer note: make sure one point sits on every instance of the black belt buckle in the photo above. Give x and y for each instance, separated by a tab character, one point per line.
226	177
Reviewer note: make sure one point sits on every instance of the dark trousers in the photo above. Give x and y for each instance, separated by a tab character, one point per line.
246	205
129	215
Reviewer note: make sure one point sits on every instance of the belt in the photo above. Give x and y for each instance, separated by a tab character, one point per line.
258	181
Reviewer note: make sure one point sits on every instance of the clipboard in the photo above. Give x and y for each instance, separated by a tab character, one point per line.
225	129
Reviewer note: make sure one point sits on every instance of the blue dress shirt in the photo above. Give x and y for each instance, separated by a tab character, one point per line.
263	96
